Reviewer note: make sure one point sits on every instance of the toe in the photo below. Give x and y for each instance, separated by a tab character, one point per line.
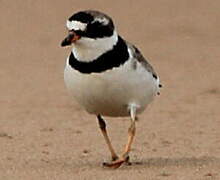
115	164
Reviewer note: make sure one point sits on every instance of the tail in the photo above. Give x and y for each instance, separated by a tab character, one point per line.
159	86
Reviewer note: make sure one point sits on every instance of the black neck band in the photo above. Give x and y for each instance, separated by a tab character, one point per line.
113	58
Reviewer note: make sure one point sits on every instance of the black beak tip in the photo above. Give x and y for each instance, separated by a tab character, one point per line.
65	42
61	44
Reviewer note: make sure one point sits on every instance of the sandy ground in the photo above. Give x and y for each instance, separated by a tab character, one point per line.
46	135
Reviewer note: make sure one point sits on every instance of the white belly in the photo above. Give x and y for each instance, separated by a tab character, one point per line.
109	93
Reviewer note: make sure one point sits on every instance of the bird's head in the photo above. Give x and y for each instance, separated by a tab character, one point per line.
91	33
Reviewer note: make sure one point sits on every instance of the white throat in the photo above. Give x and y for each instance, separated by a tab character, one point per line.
88	49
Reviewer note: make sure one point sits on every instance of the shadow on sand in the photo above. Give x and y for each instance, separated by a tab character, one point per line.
181	162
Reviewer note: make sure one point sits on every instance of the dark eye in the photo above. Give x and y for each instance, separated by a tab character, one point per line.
98	30
81	33
78	32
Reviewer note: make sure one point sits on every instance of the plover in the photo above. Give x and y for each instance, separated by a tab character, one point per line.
107	75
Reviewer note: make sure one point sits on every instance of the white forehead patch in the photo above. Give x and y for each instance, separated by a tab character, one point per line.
76	25
102	20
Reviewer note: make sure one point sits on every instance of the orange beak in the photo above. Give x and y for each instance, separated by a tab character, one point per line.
71	38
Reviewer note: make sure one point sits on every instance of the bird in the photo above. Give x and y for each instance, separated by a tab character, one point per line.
107	75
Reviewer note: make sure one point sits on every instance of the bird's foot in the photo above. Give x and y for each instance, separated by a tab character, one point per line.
117	162
114	164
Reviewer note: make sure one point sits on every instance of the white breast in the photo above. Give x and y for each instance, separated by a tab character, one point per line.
109	93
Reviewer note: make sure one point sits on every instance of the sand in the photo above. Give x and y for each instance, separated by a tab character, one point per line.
46	135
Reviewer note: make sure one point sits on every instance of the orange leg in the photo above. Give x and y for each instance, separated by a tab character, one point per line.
131	133
102	126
